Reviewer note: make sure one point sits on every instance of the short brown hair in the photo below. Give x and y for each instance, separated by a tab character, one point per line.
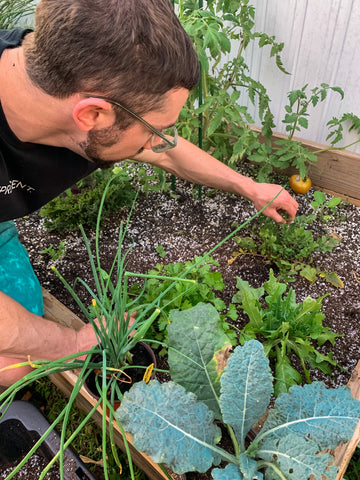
133	51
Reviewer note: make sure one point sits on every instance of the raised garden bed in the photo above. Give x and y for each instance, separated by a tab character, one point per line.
187	227
344	453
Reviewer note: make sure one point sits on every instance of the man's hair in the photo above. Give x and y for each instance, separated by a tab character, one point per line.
133	51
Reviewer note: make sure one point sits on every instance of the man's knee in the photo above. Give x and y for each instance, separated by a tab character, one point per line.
17	277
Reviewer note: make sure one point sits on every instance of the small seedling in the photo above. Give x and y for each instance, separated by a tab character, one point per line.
55	253
160	250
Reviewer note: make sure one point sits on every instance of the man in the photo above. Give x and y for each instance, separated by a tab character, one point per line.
91	85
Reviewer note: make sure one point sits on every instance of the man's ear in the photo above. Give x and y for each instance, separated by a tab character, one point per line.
93	112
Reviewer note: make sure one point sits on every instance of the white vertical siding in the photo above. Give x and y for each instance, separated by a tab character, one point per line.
322	39
28	20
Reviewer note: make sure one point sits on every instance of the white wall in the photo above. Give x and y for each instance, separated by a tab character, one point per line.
322	39
28	20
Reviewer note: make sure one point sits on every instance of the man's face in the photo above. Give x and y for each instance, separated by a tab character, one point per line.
112	145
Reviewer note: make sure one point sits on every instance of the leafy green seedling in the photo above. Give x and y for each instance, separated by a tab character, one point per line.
207	282
326	209
286	328
288	246
55	253
160	250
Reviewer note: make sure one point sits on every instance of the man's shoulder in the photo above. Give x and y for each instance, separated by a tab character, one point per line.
12	38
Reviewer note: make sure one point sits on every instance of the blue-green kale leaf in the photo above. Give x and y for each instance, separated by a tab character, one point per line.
297	458
326	416
171	426
197	357
246	387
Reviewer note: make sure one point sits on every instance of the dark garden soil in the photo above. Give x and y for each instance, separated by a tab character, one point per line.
186	227
33	469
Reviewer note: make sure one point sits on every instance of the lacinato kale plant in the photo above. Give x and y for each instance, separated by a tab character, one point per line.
174	422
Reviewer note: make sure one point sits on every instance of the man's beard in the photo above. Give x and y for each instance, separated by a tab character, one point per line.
97	140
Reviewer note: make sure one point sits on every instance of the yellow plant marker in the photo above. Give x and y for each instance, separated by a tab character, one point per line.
148	373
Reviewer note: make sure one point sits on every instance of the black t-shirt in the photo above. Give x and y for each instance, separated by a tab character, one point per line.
32	174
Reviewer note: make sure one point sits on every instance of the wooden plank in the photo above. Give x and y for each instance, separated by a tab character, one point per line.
337	171
65	382
343	453
57	312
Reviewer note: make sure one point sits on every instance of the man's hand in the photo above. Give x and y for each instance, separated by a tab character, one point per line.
86	337
131	321
265	192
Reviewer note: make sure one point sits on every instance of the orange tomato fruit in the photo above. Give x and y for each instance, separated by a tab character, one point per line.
298	185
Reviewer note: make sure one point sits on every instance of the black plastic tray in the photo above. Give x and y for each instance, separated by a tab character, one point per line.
21	427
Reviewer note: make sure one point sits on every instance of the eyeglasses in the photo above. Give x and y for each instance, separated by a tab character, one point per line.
166	144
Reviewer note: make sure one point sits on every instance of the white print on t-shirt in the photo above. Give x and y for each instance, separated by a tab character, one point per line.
13	185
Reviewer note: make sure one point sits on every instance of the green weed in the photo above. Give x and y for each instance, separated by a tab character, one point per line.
290	247
69	210
207	281
55	253
285	327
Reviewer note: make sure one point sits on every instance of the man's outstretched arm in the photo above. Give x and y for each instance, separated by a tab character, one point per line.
193	164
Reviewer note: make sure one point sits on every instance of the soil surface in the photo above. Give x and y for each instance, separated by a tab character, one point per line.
186	227
31	470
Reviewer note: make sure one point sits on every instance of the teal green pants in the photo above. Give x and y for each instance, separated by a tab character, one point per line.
17	277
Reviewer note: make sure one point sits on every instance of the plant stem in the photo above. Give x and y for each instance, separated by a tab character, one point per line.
234	440
181	9
159	277
296	121
337	148
263	464
104	400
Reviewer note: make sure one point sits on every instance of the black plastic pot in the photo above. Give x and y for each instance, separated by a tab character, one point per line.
21	427
142	355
